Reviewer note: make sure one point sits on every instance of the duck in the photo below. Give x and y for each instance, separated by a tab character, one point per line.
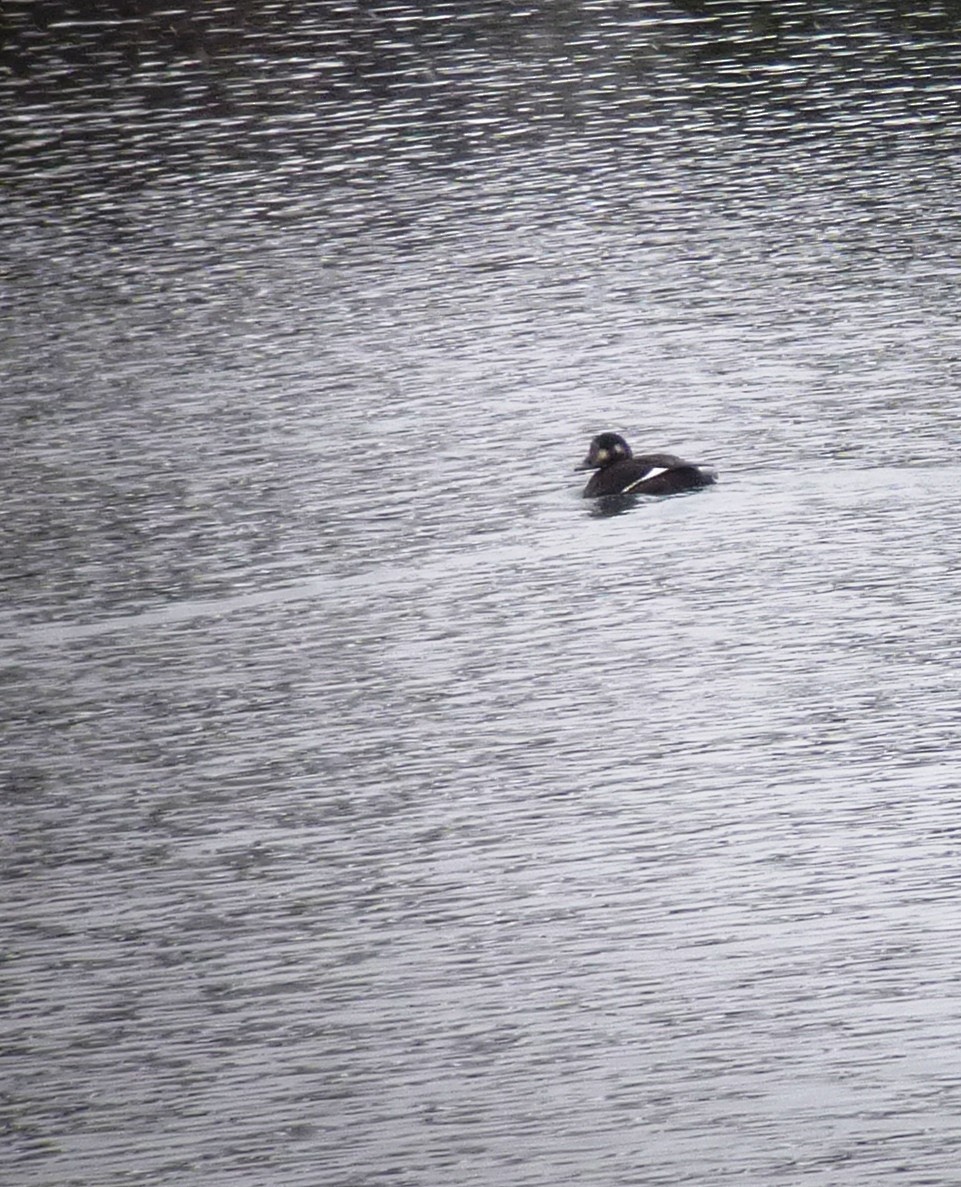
619	472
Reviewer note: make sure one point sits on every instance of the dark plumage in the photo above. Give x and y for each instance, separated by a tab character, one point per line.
619	472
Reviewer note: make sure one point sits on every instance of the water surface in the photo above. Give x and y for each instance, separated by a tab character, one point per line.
375	811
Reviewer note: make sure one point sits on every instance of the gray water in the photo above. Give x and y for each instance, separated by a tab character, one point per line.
375	811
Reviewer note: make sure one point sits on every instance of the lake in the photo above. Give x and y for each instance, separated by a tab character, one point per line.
377	811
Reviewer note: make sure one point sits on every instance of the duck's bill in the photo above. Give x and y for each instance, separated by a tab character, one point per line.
586	464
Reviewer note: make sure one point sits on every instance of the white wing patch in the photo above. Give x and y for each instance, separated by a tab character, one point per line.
652	473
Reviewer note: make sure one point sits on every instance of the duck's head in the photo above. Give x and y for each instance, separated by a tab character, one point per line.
605	449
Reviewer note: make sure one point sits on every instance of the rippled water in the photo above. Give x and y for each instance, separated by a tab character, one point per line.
374	810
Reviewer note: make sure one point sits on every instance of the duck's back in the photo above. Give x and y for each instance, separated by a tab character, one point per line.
649	474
